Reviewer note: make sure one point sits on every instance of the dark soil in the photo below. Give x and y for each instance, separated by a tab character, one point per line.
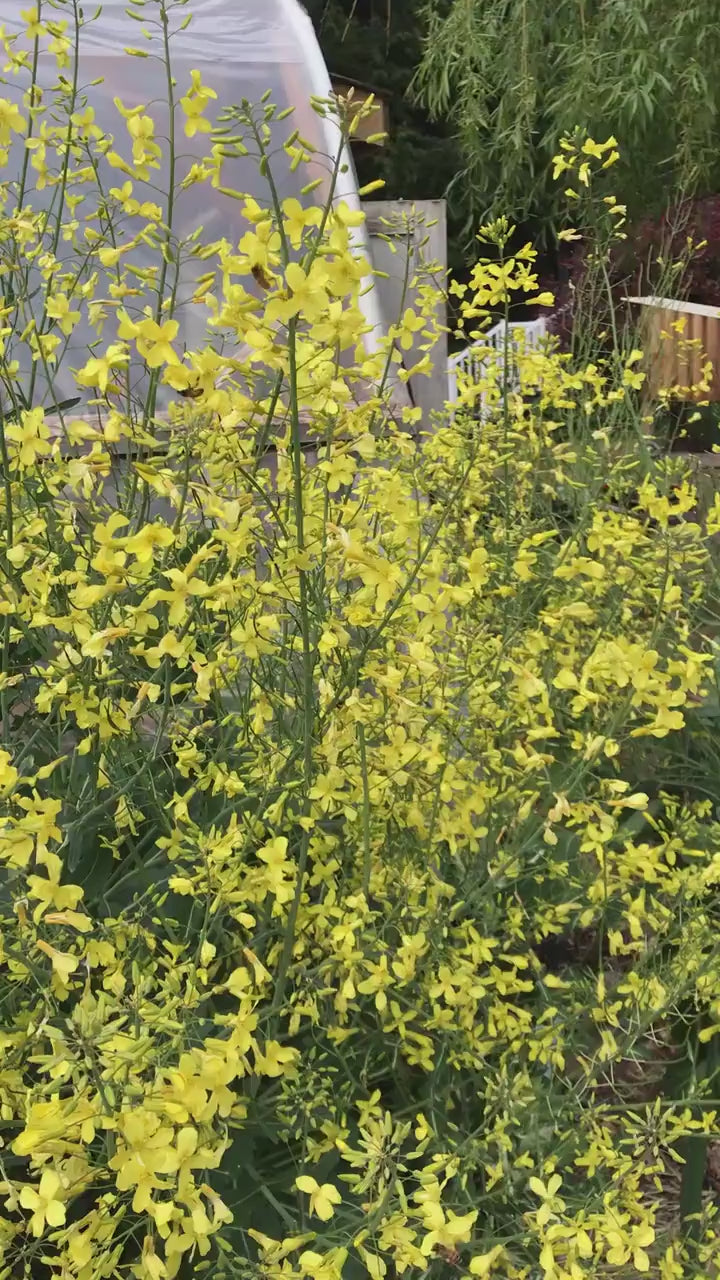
689	428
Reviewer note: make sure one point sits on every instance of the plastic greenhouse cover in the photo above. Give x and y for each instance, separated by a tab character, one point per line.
242	49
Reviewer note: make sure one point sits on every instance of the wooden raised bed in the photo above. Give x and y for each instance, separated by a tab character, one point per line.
670	360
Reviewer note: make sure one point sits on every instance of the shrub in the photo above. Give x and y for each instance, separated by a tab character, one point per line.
336	936
675	255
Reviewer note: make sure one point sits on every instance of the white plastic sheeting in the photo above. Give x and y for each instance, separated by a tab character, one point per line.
242	49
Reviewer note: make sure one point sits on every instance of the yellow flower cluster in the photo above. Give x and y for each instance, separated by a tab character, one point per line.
321	742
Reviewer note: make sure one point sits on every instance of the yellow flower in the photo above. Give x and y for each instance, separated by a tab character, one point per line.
154	341
32	436
410	325
62	962
98	370
483	1263
626	1244
11	120
49	891
45	1202
75	919
151	1267
53	1121
344	216
322	1198
194	103
274	1251
447	1229
261	247
58	308
307	294
145	1151
34	27
328	789
317	1266
551	1203
340	470
278	877
665	721
296	220
275	1060
598	149
639	800
561	164
98	644
142	131
8	772
184	588
143	543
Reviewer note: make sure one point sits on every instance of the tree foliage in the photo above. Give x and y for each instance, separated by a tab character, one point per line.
515	75
380	43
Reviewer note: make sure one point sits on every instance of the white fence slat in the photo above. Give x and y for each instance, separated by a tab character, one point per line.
471	360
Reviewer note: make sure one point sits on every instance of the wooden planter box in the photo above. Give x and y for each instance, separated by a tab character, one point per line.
668	360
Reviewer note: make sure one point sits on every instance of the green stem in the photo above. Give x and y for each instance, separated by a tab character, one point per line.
33	82
9	534
60	191
308	718
151	400
367	848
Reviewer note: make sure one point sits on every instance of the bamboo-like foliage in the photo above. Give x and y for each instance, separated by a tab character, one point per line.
514	75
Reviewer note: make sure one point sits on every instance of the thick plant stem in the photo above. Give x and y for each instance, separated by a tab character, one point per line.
5	652
151	398
308	716
367	846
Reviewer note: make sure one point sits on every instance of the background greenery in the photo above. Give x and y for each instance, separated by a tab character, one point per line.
380	43
514	75
479	94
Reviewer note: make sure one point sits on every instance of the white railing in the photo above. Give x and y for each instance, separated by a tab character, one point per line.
471	362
